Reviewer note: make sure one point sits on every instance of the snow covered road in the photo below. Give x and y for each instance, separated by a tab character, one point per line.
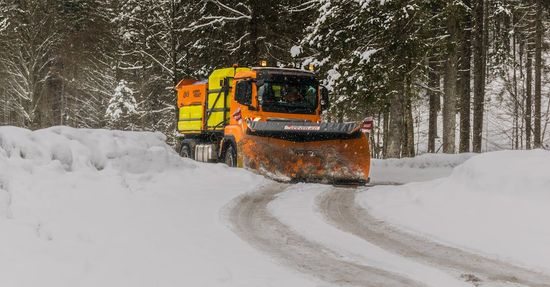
254	223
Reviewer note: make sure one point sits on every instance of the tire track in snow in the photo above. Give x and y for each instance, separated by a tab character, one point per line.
341	210
252	221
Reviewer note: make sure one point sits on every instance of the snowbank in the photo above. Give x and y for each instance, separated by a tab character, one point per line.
87	150
109	208
495	203
421	168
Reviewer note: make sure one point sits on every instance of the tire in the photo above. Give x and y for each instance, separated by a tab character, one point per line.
187	150
230	156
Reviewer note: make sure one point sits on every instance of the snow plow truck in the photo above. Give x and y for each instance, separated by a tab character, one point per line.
269	120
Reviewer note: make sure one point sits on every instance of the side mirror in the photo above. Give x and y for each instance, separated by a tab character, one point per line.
325	102
243	93
367	125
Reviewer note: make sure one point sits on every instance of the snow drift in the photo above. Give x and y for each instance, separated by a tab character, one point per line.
496	203
109	208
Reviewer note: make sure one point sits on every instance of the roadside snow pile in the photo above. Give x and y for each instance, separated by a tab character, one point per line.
85	149
420	168
495	203
109	208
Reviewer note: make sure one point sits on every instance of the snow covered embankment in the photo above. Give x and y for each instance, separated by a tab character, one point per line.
108	208
421	168
496	204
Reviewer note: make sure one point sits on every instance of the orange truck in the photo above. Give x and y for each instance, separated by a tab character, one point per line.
269	120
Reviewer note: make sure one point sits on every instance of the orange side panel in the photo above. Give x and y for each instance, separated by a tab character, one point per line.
191	94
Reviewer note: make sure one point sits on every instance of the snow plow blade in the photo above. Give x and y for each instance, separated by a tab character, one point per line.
333	153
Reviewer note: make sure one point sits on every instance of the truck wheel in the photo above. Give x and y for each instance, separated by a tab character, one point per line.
230	157
186	151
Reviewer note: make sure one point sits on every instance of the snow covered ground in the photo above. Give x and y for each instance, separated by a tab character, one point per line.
496	204
107	208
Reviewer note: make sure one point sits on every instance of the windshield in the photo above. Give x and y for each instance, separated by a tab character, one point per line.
288	97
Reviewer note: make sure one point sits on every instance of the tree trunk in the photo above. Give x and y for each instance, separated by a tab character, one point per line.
51	102
408	118
433	93
515	86
396	122
479	75
4	107
528	97
385	134
522	103
538	76
464	81
174	55
449	104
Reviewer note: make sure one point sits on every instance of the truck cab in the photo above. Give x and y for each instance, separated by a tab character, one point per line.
276	93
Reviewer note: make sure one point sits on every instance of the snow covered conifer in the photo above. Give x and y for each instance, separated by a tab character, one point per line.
122	109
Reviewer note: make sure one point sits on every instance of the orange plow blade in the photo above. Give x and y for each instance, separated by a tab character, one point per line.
322	155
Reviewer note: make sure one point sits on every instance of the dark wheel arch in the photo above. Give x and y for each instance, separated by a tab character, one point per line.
187	148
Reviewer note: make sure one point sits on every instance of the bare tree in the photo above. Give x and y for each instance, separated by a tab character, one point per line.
26	55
